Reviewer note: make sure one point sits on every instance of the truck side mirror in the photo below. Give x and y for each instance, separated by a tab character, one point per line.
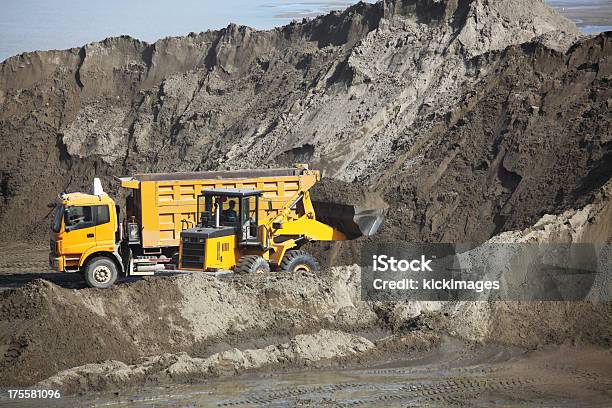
67	227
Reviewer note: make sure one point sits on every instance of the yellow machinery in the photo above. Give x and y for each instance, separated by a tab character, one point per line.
239	230
272	216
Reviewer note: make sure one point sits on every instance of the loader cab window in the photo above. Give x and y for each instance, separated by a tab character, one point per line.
250	219
230	211
230	208
221	209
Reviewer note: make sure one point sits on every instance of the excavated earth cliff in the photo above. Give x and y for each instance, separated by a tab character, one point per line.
466	115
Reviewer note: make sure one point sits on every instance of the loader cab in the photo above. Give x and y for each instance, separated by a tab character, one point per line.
233	208
228	224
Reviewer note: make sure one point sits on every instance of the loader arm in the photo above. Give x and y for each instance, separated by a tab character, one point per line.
305	225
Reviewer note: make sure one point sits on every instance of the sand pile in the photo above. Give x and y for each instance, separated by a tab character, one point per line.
305	350
47	328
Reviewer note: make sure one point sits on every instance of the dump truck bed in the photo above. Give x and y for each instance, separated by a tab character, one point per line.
161	200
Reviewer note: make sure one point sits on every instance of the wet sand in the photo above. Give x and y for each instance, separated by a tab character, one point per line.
453	375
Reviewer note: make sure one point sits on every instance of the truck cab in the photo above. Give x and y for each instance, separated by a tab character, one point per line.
84	232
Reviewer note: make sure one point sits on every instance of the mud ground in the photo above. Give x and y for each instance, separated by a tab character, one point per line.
185	329
450	375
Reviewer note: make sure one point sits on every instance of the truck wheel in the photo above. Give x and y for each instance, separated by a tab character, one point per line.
100	273
299	261
252	264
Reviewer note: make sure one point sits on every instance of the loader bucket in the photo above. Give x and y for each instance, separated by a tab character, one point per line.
352	221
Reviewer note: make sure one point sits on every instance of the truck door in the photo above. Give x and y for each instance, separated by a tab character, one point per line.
105	228
80	230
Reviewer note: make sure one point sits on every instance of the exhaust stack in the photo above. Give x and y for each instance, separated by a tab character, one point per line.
96	188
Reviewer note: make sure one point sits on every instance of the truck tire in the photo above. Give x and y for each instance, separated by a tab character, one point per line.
252	264
100	272
299	261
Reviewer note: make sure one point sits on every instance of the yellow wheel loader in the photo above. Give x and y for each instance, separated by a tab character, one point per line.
243	220
238	230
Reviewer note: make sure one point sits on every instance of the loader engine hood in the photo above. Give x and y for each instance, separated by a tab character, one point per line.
197	234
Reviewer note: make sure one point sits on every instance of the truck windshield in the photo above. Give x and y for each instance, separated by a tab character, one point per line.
58	214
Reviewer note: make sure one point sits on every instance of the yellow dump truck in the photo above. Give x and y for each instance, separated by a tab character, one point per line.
186	219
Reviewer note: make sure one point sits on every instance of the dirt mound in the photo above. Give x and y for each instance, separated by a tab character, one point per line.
46	328
301	350
342	192
590	224
501	162
536	323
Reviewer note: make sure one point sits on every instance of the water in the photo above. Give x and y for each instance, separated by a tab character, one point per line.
28	25
591	16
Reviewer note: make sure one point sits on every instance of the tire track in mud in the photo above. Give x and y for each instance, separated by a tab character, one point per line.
435	385
407	391
22	258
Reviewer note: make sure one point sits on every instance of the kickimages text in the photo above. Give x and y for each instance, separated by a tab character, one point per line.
385	263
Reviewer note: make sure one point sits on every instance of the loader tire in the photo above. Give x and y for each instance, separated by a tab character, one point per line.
252	264
299	261
100	273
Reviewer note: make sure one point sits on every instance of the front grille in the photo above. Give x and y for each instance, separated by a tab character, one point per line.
193	255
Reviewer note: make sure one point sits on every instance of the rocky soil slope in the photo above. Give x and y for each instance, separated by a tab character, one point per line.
464	114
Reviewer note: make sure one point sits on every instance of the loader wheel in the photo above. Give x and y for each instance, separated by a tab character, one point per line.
252	264
299	261
100	273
